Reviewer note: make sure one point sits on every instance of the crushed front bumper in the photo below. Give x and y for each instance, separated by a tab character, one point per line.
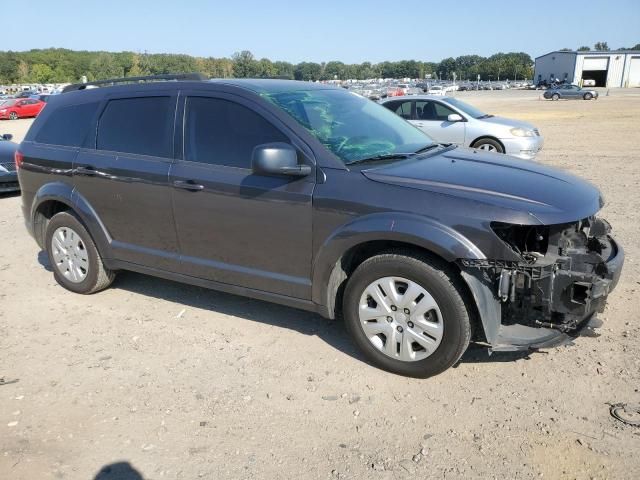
525	305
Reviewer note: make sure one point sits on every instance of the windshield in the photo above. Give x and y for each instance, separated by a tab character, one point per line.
350	126
7	103
465	107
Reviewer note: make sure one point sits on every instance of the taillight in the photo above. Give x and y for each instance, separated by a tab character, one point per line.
19	158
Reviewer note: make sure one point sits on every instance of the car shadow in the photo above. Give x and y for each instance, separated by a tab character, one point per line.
307	323
4	195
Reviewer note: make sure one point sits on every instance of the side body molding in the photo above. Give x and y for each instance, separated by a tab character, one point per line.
412	229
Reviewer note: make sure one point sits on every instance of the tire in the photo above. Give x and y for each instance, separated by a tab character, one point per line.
555	97
588	96
73	239
450	316
13	116
489	145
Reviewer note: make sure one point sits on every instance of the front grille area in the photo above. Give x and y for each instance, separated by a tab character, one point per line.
10	166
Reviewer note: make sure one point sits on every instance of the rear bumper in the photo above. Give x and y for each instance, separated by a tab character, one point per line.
525	148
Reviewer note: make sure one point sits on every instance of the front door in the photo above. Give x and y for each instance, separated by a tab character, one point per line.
234	226
431	117
125	178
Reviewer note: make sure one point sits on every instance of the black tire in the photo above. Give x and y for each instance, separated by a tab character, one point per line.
588	96
440	281
489	141
98	277
555	96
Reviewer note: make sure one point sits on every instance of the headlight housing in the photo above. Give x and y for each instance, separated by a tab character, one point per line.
522	132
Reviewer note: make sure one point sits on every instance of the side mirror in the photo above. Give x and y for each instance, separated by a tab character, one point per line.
7	136
454	117
277	159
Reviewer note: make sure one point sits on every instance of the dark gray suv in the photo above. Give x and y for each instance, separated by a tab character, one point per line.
317	198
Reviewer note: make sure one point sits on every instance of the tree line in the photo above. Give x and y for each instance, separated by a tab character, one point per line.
57	65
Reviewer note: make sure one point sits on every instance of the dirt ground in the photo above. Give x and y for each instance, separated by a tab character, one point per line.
185	383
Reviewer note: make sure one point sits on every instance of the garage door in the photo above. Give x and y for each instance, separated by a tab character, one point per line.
634	72
595	63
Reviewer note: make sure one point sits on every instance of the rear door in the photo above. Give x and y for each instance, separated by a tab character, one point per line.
234	226
124	173
431	118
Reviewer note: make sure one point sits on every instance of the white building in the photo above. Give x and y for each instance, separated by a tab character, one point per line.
619	68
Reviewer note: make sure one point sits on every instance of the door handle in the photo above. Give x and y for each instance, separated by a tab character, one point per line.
88	170
188	185
419	124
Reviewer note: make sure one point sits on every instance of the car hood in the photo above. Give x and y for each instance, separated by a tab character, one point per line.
548	195
507	122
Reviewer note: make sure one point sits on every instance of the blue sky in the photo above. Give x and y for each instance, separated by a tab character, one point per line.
322	30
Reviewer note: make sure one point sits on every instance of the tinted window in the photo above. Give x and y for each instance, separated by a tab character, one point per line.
432	111
137	125
67	125
401	108
221	132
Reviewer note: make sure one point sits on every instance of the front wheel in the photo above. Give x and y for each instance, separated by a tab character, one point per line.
407	314
489	145
588	96
76	262
13	116
555	96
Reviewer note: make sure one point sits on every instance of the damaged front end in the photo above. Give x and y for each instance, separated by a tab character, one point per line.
563	277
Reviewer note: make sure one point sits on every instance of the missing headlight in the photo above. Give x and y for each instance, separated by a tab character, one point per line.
528	241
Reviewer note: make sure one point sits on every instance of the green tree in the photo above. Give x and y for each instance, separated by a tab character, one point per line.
245	65
42	73
601	47
104	66
584	48
307	71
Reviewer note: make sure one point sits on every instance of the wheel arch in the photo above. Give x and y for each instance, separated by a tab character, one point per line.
488	137
352	244
56	197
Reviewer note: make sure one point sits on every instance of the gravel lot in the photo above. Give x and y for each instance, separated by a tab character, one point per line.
186	383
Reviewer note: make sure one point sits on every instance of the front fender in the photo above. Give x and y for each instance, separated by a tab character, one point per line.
411	229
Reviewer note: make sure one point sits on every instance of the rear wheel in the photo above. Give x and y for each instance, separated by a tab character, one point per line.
75	260
555	96
588	96
13	116
488	145
407	314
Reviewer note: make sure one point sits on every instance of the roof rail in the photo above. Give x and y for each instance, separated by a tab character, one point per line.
149	78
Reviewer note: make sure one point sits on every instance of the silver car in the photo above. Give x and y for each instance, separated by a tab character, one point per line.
448	120
570	92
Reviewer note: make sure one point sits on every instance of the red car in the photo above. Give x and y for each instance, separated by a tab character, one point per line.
16	108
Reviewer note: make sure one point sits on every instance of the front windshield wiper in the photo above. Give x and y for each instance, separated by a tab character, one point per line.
380	158
486	115
428	147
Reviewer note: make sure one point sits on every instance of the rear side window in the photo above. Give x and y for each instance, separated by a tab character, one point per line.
142	126
221	132
67	125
